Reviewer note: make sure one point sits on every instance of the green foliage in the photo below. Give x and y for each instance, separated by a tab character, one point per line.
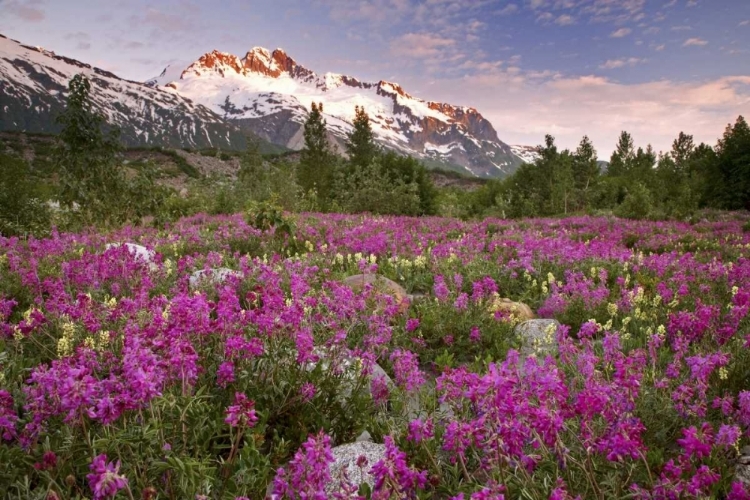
269	215
360	144
22	211
375	191
317	164
638	203
91	182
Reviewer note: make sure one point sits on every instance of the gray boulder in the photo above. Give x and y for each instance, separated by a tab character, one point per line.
538	336
212	276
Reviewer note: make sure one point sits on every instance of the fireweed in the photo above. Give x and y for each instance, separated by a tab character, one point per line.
119	379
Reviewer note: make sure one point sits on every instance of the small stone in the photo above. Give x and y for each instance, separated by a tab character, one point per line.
538	336
380	283
139	253
356	459
746	450
518	310
744	460
212	276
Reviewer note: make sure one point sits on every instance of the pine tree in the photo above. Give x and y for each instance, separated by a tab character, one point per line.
360	144
91	179
733	162
622	159
585	165
682	151
316	166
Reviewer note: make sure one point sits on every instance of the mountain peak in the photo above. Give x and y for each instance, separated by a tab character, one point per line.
214	62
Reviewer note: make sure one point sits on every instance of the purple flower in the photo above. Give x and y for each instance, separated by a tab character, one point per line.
225	374
379	389
8	416
307	391
412	324
420	430
308	473
406	369
476	334
105	480
393	476
242	412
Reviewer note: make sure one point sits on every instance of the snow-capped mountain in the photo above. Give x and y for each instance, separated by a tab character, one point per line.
34	85
270	94
529	154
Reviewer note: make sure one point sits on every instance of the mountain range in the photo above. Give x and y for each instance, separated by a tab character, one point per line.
215	101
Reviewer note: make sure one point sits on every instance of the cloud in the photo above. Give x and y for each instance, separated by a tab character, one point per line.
659	48
83	40
619	63
545	17
569	107
652	30
671	3
692	3
565	20
694	42
620	33
421	45
681	28
28	10
537	4
745	23
511	8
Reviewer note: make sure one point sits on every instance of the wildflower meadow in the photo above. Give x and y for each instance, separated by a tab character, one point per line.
215	360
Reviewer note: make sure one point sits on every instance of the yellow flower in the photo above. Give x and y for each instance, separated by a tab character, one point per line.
89	342
612	309
723	373
735	290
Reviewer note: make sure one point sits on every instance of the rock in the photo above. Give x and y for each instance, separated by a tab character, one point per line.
380	283
538	336
518	310
350	366
746	450
742	474
364	437
212	276
345	460
139	253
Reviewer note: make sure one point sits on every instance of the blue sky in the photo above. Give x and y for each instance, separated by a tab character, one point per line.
565	67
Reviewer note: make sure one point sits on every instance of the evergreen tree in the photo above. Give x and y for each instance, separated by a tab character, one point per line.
360	144
733	165
92	182
682	151
585	165
622	159
317	165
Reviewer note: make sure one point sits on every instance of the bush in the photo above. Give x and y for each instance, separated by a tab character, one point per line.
638	203
21	210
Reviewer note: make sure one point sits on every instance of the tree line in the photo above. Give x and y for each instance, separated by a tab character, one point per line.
636	183
95	189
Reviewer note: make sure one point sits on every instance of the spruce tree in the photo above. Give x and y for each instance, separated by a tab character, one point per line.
585	165
316	166
622	159
360	144
91	179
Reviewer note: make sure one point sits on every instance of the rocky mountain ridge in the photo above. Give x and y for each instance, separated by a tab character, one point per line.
34	86
269	93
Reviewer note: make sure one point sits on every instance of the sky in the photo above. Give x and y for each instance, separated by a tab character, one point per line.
568	68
